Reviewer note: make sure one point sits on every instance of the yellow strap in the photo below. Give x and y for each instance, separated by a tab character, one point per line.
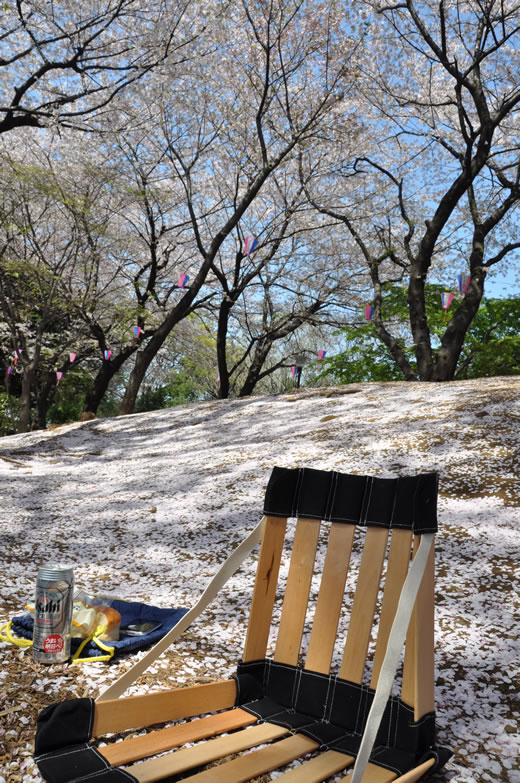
75	658
93	658
7	636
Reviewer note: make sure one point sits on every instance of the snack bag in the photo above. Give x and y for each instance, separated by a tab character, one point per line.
84	620
92	617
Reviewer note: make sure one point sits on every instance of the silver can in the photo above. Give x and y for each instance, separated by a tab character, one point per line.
53	613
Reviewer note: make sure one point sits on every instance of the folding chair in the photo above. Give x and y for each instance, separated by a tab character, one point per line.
276	708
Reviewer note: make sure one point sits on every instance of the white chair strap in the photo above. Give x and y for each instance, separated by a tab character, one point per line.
395	644
227	570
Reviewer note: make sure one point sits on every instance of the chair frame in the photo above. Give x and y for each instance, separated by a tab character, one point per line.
229	726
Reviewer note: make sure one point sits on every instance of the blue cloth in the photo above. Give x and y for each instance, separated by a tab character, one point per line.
131	612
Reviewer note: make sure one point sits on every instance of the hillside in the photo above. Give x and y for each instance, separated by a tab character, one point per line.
147	506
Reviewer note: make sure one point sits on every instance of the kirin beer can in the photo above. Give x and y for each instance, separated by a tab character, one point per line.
53	613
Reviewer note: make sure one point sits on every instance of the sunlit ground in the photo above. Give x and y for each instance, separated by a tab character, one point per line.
147	506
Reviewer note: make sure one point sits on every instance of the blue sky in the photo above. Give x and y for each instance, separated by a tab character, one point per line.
504	283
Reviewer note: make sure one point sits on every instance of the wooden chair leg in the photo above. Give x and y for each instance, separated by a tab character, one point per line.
415	774
374	774
136	712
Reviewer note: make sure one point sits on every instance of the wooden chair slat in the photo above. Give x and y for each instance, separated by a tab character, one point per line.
265	588
136	712
297	589
318	768
397	568
251	765
408	684
418	670
363	607
330	598
424	667
198	755
155	742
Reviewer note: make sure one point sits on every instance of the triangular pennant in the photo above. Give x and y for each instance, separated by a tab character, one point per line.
59	376
183	279
250	244
137	331
463	282
72	357
446	300
108	354
369	312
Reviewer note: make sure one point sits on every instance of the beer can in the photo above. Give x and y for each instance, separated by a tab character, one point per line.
53	613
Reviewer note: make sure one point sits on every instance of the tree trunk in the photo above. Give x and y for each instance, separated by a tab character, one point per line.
45	399
253	375
142	362
24	425
222	329
395	349
419	326
148	352
108	369
453	338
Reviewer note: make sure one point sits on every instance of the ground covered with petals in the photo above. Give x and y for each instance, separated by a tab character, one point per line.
146	507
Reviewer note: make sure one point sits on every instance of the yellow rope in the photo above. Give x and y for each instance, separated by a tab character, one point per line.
7	636
93	658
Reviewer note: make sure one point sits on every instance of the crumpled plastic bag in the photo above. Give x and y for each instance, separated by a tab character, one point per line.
92	616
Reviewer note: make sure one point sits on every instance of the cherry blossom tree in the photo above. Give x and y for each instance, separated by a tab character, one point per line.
236	117
38	250
431	187
232	92
63	63
294	277
135	276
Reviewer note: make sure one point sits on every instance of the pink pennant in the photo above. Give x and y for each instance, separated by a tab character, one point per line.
137	331
59	376
183	279
9	370
321	355
369	312
72	357
108	354
294	370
